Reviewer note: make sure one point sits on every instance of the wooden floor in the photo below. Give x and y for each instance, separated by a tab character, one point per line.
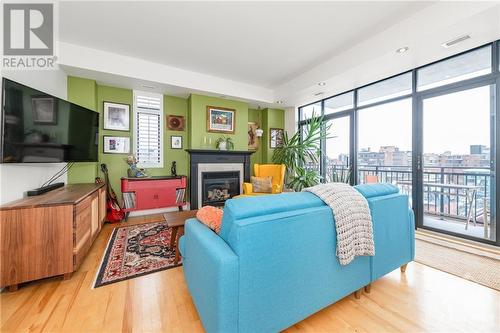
421	300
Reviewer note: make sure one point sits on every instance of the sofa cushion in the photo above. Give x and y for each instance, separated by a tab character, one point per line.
262	184
211	217
376	190
242	208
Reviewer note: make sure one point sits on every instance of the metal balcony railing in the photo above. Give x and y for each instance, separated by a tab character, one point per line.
441	200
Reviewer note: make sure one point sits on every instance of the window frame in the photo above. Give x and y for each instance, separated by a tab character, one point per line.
159	112
490	78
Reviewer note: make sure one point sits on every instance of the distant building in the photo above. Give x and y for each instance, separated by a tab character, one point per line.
477	149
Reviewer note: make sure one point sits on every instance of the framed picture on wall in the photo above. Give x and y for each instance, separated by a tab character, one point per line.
44	110
220	120
253	143
275	137
116	145
176	142
116	116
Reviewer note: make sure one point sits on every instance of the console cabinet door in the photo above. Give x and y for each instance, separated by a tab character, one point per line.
35	243
102	205
83	230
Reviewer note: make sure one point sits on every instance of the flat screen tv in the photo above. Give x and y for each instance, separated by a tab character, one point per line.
39	128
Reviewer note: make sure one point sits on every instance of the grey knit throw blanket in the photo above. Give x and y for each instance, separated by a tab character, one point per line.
353	220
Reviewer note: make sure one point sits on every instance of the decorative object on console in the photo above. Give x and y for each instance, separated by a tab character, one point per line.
253	143
116	116
224	143
175	123
275	138
133	171
173	169
221	120
175	142
116	145
44	110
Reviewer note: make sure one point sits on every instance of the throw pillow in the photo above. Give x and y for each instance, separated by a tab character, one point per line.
211	217
262	184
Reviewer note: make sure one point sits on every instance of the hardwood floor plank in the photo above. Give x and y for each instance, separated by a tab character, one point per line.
421	300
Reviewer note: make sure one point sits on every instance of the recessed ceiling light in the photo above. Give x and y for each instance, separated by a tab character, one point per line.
279	102
402	49
319	93
455	41
322	84
147	86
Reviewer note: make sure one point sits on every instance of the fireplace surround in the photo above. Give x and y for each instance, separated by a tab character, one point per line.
221	169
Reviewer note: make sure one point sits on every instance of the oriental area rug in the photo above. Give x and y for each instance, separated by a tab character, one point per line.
135	251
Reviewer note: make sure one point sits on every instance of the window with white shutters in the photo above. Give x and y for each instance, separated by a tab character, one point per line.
148	129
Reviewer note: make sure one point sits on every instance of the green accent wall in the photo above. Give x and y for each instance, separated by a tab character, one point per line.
88	93
115	163
179	107
198	122
271	118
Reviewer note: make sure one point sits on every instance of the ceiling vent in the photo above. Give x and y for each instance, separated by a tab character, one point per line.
455	41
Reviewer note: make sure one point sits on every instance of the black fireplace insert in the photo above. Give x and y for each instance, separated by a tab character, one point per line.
219	186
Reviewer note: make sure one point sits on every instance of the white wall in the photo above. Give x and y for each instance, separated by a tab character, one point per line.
290	121
16	179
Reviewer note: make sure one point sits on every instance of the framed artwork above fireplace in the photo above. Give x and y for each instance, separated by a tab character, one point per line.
221	120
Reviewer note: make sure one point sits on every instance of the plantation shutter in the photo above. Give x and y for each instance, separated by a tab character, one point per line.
148	138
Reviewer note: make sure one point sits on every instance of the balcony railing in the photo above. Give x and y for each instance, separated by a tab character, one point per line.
441	200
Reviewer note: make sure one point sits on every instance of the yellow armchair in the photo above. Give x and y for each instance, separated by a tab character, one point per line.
276	171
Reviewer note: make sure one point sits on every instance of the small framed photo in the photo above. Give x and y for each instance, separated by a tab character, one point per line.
176	142
116	145
220	120
175	123
116	116
44	110
275	137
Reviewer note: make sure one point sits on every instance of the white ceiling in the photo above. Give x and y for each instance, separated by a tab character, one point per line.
279	50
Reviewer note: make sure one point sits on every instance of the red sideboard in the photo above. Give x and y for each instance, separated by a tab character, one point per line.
153	192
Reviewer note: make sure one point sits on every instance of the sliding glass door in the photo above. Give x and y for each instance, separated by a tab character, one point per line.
457	175
431	131
338	149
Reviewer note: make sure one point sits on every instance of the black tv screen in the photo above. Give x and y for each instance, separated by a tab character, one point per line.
39	128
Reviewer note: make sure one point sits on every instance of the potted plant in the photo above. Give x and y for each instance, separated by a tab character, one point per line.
296	152
224	143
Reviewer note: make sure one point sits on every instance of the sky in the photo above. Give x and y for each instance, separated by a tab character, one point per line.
451	122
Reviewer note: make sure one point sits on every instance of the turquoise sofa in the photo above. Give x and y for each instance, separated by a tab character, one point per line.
274	262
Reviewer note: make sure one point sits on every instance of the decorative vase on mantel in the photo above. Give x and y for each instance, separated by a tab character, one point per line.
223	145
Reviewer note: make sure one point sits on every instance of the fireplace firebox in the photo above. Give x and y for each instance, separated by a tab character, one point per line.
217	187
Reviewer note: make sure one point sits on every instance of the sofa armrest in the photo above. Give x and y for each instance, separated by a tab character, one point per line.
211	272
247	188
